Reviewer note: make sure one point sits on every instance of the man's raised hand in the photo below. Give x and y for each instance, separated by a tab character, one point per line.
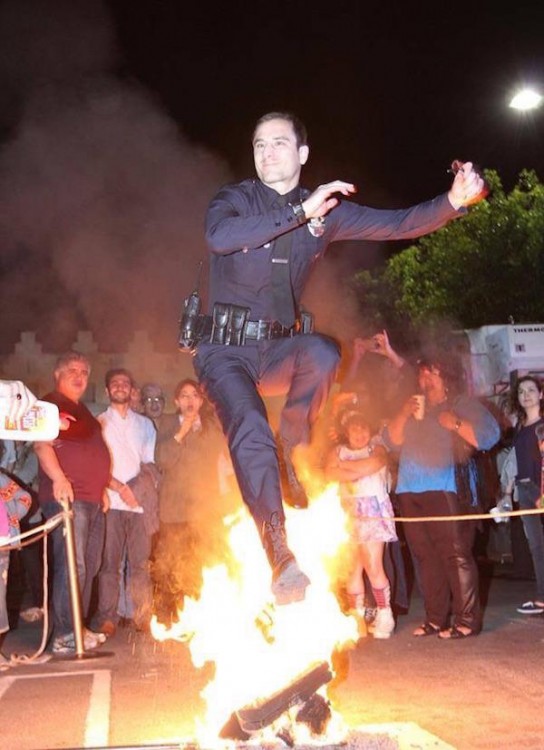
322	200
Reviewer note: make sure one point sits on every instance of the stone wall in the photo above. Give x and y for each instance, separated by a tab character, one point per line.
34	366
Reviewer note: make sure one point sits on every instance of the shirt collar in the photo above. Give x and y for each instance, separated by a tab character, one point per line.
270	195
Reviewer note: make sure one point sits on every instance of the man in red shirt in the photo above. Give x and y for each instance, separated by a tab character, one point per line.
74	471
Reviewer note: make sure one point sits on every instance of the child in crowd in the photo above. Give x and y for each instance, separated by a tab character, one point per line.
14	505
359	464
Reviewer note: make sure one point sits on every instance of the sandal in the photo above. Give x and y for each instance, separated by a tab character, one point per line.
427	628
454	634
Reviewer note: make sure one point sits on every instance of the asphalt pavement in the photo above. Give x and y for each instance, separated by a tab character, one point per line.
482	692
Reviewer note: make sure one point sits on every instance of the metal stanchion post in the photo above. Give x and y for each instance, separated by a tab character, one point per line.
73	584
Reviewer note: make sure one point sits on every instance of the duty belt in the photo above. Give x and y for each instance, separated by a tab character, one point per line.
270	329
230	325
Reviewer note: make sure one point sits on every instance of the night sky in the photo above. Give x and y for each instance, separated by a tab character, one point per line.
120	120
391	92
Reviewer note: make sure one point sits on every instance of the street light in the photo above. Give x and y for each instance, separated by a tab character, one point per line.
526	99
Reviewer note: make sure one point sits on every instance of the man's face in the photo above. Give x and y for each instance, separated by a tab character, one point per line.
153	402
278	159
189	401
72	379
136	398
119	389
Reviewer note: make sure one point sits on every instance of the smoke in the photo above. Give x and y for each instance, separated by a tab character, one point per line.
102	198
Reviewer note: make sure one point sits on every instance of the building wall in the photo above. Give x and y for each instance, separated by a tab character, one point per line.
29	363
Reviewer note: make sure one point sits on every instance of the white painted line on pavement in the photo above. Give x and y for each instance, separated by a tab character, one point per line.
97	722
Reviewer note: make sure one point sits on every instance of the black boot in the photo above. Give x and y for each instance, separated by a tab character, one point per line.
288	581
292	490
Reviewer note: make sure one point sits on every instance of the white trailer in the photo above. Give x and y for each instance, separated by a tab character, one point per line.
498	354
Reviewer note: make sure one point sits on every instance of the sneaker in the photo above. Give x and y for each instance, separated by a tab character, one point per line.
530	608
100	637
66	644
356	605
107	629
31	614
383	625
290	585
356	608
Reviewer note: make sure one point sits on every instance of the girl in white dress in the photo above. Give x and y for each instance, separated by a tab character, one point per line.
359	464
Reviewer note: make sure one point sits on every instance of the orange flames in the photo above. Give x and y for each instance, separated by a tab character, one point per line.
258	648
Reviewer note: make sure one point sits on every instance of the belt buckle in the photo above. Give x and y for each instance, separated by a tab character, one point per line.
275	330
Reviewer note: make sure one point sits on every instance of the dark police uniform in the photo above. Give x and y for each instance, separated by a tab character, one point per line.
241	225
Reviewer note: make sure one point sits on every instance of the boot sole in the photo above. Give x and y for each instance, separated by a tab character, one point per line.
291	585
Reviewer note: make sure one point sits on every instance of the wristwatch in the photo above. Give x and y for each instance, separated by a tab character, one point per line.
300	216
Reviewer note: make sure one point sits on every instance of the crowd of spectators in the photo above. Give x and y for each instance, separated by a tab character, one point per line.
149	488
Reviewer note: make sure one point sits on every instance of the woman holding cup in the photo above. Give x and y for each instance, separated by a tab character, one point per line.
434	446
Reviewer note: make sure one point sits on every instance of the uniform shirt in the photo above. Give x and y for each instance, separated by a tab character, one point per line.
131	442
241	225
81	451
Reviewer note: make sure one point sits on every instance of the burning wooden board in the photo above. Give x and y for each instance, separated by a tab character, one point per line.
314	711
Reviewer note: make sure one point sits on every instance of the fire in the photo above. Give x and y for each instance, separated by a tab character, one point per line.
258	648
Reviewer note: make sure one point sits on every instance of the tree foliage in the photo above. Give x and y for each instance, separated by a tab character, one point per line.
485	268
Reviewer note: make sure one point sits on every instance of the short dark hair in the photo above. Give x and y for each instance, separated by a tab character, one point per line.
449	367
301	134
111	374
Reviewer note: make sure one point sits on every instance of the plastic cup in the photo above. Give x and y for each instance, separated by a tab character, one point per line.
419	413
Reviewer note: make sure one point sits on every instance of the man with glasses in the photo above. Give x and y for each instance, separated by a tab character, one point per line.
153	402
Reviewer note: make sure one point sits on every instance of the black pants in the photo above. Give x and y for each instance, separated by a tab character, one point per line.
443	550
234	377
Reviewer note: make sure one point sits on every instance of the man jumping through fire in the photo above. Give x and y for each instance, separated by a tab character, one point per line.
264	235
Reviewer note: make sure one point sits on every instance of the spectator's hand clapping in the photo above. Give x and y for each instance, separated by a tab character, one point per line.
362	346
381	344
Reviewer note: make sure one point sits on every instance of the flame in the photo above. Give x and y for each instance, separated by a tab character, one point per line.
257	647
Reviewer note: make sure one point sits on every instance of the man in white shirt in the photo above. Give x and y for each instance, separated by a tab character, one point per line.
130	438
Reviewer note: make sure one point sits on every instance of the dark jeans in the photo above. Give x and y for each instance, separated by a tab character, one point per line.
88	521
443	551
125	529
303	367
4	567
31	559
528	493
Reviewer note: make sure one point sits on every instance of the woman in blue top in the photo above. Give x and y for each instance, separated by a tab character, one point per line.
434	481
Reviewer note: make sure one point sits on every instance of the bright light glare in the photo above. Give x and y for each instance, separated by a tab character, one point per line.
526	99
